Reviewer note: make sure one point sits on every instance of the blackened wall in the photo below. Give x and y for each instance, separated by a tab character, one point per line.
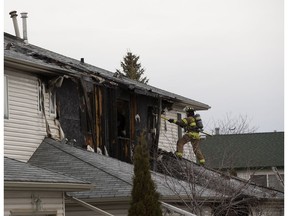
68	106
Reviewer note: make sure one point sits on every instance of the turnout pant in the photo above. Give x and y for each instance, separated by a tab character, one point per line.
195	144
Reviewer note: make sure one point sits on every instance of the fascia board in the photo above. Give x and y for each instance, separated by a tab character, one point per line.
34	67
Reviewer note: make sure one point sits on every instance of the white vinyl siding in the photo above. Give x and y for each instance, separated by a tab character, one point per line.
169	136
21	202
26	128
6	109
168	133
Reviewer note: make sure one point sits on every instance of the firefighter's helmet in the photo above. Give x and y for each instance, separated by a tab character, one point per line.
189	109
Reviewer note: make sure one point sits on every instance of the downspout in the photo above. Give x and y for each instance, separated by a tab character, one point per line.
13	15
91	207
177	210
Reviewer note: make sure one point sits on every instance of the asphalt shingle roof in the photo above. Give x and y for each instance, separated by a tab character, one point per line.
17	171
111	177
256	150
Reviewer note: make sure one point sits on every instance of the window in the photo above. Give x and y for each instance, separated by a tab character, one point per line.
259	179
275	183
6	107
268	181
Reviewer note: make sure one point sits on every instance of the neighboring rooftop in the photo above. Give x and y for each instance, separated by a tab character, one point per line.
256	150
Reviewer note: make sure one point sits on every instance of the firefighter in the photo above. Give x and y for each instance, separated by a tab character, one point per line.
192	125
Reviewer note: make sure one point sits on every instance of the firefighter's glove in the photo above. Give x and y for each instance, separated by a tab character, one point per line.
171	120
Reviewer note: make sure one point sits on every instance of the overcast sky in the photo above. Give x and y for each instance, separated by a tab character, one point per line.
228	54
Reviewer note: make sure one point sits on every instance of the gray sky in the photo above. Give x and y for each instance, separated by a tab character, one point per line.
228	54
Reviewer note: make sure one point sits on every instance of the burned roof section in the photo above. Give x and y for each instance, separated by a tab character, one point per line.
37	59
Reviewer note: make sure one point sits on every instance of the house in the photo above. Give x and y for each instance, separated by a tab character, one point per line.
258	157
82	122
67	98
50	95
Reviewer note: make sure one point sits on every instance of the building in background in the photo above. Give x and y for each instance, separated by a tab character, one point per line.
258	157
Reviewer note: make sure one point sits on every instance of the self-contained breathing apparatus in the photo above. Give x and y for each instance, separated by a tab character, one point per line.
194	126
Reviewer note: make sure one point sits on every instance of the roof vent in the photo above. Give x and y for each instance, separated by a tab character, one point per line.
13	15
24	22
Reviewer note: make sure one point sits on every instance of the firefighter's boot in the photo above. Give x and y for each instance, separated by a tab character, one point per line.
202	162
179	154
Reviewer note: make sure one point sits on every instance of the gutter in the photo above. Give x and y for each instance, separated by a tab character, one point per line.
47	186
29	66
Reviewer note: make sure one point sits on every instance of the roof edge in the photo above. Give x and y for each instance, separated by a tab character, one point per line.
18	185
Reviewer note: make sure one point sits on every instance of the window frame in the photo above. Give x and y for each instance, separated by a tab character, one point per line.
268	181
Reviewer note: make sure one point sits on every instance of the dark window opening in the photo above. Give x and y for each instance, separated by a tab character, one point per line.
259	179
123	147
123	119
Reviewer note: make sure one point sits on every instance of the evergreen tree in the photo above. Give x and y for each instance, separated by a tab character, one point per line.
145	199
132	69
